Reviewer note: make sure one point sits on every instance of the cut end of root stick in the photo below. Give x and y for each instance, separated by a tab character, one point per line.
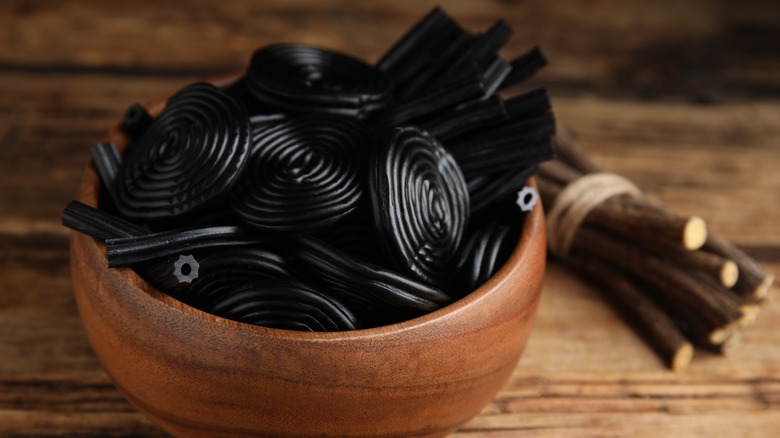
694	233
749	314
729	273
682	358
719	335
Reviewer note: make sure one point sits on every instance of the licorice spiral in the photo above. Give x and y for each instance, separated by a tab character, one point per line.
223	271
191	155
487	248
360	283
311	79
420	204
285	304
304	173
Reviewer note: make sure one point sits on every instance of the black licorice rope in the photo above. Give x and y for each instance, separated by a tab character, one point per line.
128	251
420	203
304	174
309	79
189	157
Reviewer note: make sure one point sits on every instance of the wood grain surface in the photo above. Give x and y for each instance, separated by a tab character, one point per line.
681	97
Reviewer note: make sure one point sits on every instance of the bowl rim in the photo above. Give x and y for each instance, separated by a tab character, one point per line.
89	191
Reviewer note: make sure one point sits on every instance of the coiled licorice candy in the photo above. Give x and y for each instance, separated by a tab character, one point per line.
420	203
189	157
224	270
302	78
304	173
360	283
285	304
487	248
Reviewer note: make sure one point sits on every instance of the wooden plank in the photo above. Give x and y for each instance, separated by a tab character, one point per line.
700	51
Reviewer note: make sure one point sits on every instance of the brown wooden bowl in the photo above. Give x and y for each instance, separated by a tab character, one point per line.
196	374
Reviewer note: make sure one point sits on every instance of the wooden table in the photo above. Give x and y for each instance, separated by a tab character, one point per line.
682	97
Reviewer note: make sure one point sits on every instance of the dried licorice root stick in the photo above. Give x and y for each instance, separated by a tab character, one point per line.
652	321
687	273
631	217
753	282
709	315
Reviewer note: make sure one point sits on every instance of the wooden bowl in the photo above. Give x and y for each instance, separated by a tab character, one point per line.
195	374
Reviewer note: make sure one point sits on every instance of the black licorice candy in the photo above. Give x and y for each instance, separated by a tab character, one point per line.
286	304
308	79
485	251
304	173
339	223
190	156
223	270
420	203
358	282
136	121
127	251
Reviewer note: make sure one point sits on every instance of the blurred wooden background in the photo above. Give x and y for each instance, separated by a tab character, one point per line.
681	96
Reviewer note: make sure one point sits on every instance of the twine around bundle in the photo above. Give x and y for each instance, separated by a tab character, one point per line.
576	200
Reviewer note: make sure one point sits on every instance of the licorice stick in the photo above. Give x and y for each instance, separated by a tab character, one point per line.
429	105
127	251
467	118
651	320
411	43
525	66
707	314
707	286
753	281
488	189
136	121
98	223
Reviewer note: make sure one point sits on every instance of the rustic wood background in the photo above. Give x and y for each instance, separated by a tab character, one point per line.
681	96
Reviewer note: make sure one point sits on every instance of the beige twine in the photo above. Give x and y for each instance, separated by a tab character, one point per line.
577	200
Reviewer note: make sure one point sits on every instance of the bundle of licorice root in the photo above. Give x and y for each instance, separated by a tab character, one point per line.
678	284
322	193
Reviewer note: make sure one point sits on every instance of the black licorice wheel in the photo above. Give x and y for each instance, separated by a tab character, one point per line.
310	79
486	249
363	284
304	173
190	156
420	204
284	304
222	271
